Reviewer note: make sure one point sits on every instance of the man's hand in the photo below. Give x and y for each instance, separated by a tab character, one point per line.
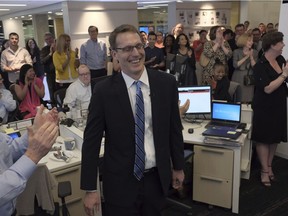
92	202
42	117
183	109
177	179
41	140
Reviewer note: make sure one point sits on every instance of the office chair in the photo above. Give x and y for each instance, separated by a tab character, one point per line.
64	190
235	91
13	92
15	114
59	96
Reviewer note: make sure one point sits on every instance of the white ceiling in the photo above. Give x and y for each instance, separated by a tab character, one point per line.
30	5
36	4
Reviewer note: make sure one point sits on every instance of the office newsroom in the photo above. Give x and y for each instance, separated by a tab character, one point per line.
170	52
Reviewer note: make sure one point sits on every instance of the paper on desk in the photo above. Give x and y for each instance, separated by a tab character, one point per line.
223	141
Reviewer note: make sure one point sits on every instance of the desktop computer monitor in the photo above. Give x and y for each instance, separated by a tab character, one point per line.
144	28
199	96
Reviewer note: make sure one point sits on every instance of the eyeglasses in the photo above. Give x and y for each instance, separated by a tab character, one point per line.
1	79
85	74
129	49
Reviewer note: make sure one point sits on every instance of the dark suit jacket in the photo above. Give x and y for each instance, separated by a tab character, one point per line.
110	111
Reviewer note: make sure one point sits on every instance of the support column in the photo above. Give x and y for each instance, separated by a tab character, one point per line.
40	25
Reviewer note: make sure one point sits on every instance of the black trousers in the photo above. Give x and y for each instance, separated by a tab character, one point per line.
98	73
14	213
150	200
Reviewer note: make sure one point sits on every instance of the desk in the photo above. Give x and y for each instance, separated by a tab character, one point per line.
239	160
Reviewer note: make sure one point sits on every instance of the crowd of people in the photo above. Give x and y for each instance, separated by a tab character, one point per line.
237	50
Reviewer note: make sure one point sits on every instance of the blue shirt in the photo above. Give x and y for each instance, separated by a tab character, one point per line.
93	54
13	176
7	104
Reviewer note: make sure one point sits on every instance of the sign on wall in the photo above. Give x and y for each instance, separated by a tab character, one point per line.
203	18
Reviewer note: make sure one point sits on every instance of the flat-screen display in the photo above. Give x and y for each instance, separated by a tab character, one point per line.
144	28
15	134
199	96
227	112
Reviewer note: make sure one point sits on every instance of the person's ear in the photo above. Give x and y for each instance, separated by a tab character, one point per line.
114	54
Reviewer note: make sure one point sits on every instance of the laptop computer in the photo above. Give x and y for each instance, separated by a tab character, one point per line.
225	115
222	133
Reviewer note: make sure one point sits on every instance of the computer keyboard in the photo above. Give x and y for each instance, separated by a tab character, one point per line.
222	124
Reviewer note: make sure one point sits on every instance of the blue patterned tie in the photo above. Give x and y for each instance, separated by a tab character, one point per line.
139	165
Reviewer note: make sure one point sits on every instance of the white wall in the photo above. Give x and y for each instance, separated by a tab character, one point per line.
282	149
14	26
106	16
262	12
283	27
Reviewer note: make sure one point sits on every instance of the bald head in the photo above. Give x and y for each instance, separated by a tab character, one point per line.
84	74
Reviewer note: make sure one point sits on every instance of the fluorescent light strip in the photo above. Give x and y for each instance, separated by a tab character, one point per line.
13	5
1	9
154	2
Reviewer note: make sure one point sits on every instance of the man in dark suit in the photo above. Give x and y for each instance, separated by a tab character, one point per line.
112	110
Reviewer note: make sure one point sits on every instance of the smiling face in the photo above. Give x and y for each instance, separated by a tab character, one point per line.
30	74
84	74
182	40
31	44
278	47
131	63
219	72
249	42
93	33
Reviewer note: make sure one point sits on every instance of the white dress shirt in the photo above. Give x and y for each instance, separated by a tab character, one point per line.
78	93
150	159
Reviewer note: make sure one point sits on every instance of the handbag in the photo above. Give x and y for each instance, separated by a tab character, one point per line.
249	78
204	60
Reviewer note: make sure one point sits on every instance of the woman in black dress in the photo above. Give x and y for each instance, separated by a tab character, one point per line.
186	68
269	125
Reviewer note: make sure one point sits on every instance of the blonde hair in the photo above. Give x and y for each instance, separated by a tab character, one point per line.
242	40
60	43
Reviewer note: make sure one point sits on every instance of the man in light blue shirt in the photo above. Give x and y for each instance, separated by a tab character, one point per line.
19	157
7	103
93	53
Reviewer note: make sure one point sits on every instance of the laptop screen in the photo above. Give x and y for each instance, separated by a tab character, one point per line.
227	112
199	96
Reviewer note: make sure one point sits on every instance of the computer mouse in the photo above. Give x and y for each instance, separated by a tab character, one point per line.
190	130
